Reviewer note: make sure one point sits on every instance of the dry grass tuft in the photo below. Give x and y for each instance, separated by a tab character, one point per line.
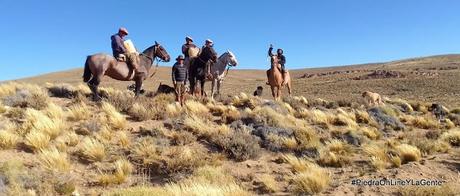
370	132
204	127
123	169
24	95
445	189
92	150
37	120
115	119
8	140
79	112
54	160
335	153
268	184
183	159
408	153
123	139
239	145
146	152
196	108
37	140
309	178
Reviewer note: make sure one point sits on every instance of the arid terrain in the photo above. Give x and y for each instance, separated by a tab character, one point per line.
322	140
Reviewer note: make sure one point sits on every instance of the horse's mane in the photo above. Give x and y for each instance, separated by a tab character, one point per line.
146	51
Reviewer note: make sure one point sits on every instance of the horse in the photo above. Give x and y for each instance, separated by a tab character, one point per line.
98	65
275	78
197	70
218	72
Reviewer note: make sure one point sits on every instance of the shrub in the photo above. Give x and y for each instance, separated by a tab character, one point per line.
54	160
183	159
34	98
36	120
408	153
54	111
62	90
239	145
335	153
89	127
309	178
268	184
146	152
121	100
182	137
452	137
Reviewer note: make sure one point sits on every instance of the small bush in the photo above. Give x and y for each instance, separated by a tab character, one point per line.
115	119
335	153
309	178
408	153
79	112
36	99
452	137
239	145
8	140
62	90
54	160
37	140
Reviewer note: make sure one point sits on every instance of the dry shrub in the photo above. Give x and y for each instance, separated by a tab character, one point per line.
449	124
362	117
89	127
78	112
54	160
173	110
309	178
428	146
270	117
403	104
420	106
231	114
114	118
239	145
61	90
390	110
320	117
36	140
8	140
452	137
182	137
335	153
408	153
140	191
307	138
370	132
122	171
344	120
425	122
146	152
378	156
196	108
37	120
140	113
183	159
25	95
123	139
243	101
160	107
121	100
2	108
455	111
92	150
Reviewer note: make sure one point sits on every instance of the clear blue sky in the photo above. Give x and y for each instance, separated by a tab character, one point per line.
45	36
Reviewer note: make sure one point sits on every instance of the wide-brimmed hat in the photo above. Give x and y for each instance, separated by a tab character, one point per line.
123	30
209	41
180	57
189	38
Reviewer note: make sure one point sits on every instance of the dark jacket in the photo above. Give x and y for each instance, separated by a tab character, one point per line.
185	48
281	58
117	45
179	73
208	53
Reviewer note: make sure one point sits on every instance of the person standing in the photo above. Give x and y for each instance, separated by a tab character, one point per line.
179	76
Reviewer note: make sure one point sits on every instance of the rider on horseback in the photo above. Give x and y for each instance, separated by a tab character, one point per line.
121	53
211	54
281	59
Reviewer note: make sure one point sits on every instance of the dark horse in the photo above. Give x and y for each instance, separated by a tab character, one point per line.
98	65
197	70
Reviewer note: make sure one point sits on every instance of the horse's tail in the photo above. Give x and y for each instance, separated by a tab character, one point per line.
87	72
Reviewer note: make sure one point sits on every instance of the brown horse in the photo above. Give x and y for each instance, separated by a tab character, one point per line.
275	78
98	65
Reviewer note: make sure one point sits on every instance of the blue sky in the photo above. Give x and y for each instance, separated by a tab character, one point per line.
46	36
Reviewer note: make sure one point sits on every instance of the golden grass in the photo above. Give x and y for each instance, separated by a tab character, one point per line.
370	132
54	160
309	178
78	112
196	108
274	118
8	140
2	108
307	138
378	156
335	153
54	111
92	150
184	158
146	151
204	127
268	183
37	140
115	119
123	139
37	120
445	189
123	170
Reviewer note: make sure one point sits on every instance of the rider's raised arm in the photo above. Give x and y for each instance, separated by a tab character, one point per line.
270	54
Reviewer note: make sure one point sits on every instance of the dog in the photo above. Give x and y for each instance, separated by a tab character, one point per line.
132	87
372	98
439	111
258	92
165	89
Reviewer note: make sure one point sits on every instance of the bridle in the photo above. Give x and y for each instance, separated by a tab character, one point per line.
154	59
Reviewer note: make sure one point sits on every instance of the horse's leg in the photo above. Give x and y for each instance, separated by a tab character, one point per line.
212	88
219	83
139	80
202	87
289	88
278	93
93	84
273	91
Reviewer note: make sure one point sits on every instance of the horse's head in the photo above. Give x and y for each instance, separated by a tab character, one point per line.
161	52
274	59
231	59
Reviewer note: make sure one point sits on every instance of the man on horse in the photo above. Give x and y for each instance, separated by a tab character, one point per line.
122	54
185	47
281	59
209	53
179	76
